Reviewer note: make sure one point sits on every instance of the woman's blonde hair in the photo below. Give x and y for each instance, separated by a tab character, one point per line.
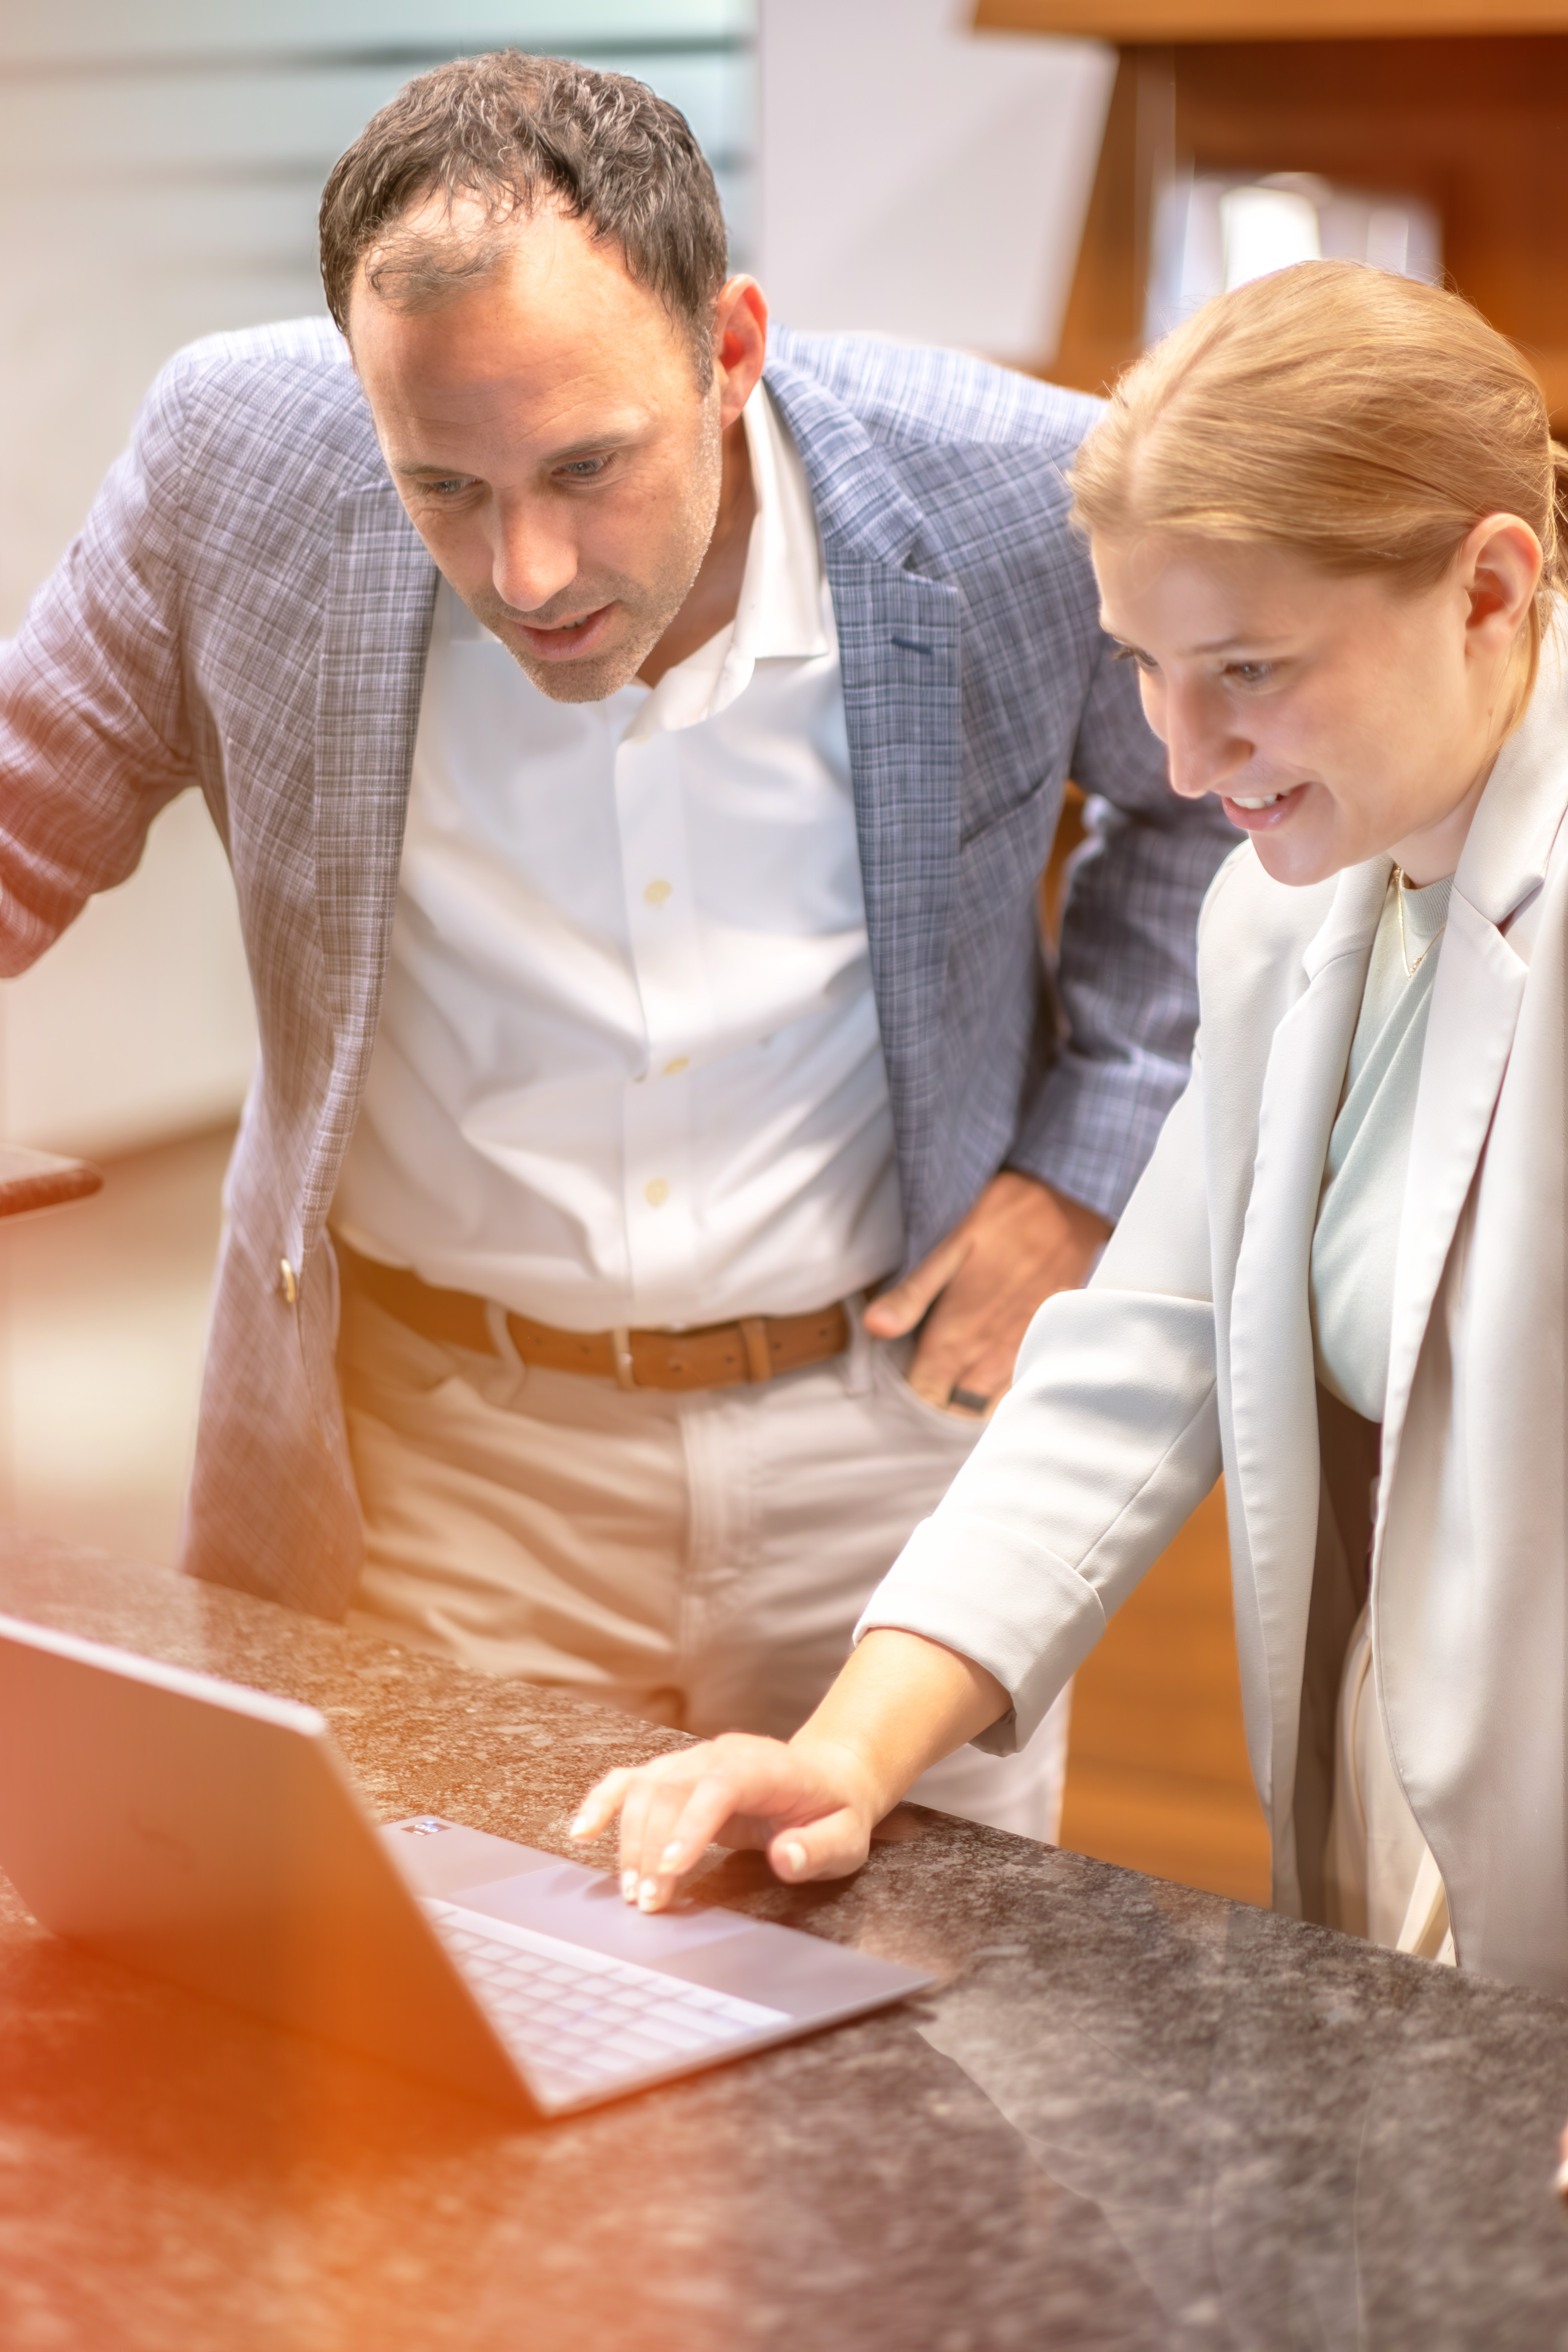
1364	421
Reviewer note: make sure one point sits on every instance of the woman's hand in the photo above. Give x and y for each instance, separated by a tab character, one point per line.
810	1805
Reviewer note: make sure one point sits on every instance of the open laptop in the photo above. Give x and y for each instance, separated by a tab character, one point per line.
211	1835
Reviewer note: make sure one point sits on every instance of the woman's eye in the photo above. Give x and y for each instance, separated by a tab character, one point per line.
1251	673
1145	662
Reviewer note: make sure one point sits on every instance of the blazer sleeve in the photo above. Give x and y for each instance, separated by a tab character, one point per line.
93	738
1126	979
1103	1447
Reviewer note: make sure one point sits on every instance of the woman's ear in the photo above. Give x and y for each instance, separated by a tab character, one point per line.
1500	568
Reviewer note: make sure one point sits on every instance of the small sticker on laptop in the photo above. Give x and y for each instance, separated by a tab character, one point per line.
425	1826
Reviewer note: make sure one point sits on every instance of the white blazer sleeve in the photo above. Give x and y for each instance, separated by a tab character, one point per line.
1106	1444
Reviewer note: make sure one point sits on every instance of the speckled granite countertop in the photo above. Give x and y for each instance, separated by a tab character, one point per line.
1129	2116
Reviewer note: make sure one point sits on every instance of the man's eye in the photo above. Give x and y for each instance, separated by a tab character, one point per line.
584	469
452	487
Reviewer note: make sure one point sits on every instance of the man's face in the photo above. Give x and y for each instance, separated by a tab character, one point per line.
547	435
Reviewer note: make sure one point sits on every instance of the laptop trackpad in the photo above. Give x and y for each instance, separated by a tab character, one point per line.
587	1908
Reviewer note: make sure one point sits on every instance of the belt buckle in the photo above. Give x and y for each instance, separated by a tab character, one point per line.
621	1348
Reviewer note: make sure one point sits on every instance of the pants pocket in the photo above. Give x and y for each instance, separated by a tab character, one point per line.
890	1361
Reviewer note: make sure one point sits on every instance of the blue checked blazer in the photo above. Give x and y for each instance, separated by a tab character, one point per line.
246	612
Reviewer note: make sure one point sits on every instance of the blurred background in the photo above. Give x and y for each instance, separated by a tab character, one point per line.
1051	187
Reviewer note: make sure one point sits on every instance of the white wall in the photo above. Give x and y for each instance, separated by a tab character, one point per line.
922	181
160	170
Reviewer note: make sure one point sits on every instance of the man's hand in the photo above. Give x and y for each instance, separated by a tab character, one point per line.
1019	1243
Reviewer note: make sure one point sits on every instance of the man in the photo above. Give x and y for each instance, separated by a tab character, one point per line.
635	774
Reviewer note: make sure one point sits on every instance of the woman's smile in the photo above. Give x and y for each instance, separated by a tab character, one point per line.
1262	812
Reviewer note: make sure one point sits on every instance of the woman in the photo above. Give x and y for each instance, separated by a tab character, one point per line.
1323	516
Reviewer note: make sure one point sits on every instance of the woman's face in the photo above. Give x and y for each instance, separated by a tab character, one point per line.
1334	718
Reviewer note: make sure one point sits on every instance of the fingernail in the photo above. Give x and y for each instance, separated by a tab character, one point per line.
796	1857
671	1853
579	1827
628	1884
647	1893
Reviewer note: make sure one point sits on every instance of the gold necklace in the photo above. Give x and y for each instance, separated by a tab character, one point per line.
1411	969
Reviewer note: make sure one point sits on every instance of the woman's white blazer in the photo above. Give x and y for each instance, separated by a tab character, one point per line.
1190	1352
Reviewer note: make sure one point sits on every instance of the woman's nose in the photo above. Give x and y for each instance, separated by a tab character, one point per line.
1204	750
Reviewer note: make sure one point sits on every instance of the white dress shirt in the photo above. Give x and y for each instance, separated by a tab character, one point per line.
628	1069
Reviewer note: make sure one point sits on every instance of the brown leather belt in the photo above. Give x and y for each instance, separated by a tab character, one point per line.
713	1356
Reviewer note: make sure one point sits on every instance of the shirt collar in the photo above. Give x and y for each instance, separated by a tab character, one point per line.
782	613
779	616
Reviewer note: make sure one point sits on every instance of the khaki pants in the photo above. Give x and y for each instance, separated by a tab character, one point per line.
698	1558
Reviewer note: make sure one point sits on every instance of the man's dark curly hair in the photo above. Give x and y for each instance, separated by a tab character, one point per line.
515	132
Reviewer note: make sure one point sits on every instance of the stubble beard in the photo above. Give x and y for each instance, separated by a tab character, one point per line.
646	606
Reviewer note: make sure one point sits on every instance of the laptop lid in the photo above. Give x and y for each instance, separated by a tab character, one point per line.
209	1834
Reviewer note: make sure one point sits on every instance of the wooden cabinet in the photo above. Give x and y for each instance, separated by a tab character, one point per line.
1463	105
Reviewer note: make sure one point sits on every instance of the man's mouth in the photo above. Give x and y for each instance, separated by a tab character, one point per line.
561	639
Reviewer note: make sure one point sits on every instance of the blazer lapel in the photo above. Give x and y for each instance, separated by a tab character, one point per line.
380	596
1274	1393
1476	998
899	657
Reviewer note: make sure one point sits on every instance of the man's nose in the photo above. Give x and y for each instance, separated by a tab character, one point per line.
1205	751
535	557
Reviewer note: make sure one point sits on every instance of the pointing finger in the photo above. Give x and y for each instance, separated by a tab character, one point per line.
600	1806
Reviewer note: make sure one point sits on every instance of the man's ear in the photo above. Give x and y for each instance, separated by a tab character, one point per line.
740	343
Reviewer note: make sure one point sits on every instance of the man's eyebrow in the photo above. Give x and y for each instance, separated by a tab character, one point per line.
598	444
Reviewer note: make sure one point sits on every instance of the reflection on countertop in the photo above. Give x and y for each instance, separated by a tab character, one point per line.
1130	2115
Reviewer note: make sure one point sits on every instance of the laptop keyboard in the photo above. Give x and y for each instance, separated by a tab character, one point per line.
579	2020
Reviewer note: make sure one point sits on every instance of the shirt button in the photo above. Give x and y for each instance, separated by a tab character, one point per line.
673	1069
657	892
655	1192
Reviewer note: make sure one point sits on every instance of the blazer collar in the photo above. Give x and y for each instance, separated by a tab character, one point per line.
860	502
1505	856
1348	927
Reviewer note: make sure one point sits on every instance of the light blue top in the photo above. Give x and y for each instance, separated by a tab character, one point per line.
1357	1236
